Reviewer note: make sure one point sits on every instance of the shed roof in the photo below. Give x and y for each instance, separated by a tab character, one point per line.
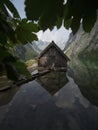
52	44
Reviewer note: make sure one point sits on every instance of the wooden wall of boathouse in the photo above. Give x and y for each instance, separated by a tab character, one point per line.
52	59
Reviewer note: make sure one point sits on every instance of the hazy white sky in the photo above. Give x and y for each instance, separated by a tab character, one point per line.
59	36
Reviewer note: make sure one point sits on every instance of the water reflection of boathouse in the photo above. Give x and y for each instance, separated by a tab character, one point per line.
52	57
53	81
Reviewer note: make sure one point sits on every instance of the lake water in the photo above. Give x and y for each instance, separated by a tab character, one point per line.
56	101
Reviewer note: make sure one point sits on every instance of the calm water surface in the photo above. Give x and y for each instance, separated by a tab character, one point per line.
56	101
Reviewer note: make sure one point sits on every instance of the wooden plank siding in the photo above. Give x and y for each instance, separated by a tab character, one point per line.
52	58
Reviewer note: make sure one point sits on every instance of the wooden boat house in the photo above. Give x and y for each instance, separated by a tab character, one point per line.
53	58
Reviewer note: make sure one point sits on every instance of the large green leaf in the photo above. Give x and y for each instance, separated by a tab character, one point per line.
4	53
75	24
22	69
34	8
24	31
47	12
11	7
67	23
13	30
25	36
11	72
59	22
30	26
67	12
3	9
7	29
15	68
3	38
89	20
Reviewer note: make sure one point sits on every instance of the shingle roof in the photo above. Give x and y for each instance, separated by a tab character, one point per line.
51	45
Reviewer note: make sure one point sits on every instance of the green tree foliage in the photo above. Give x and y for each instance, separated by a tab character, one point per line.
47	13
52	12
13	31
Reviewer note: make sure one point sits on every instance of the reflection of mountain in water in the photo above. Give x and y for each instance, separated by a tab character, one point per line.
34	108
53	81
86	77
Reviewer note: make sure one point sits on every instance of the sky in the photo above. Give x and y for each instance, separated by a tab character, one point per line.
57	35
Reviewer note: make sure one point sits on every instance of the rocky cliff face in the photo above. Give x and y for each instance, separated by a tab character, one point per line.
38	46
25	52
85	75
83	44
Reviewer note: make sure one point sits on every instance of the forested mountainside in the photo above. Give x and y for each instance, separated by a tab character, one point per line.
39	45
31	51
25	52
83	44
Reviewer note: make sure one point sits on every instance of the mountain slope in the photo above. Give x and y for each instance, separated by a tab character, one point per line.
25	52
38	46
83	44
